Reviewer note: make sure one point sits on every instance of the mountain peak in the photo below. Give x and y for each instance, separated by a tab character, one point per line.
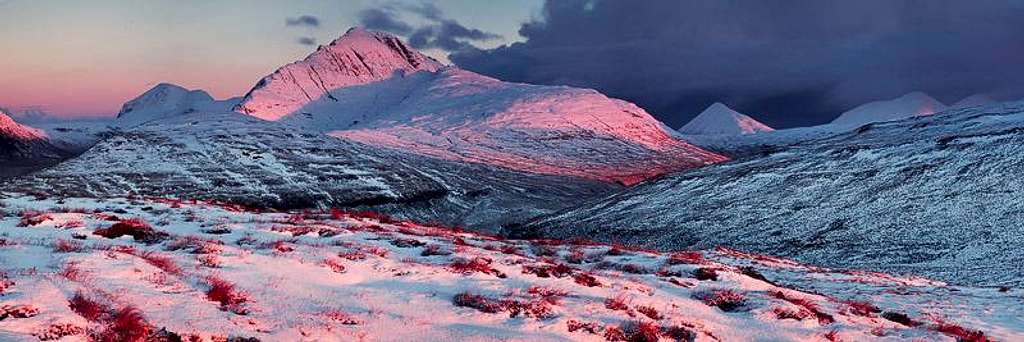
720	119
166	100
912	104
356	58
12	129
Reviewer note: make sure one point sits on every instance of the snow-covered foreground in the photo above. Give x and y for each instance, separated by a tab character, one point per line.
220	273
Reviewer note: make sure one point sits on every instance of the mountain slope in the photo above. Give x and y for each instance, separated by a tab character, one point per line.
936	195
909	105
719	119
168	100
215	273
241	159
403	100
23	149
974	100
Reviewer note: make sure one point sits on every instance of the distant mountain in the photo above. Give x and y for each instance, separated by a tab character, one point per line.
936	196
974	100
168	100
719	119
23	148
371	87
236	158
909	105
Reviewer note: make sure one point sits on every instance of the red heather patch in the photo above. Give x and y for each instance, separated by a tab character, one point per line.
641	331
546	271
432	250
650	312
136	228
58	331
5	283
679	258
18	311
618	303
162	262
809	305
209	260
679	333
787	313
862	308
281	247
86	307
515	308
705	273
590	327
353	255
31	218
67	246
550	295
961	334
586	279
614	334
71	272
475	265
127	325
225	293
334	265
727	300
476	301
342	317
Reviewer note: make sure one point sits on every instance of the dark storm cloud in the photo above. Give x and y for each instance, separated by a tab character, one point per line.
308	41
304	20
383	19
440	32
788	63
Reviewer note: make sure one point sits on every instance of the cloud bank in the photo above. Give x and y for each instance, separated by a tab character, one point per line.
788	63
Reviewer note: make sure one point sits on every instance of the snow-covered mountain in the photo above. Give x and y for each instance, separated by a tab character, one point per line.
371	87
974	100
719	119
240	159
168	100
936	195
24	148
909	105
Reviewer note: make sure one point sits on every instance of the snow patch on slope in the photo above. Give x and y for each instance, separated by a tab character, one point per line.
719	119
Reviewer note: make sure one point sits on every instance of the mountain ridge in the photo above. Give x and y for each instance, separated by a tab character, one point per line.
445	112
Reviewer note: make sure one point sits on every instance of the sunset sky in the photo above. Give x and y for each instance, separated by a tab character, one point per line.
786	63
74	57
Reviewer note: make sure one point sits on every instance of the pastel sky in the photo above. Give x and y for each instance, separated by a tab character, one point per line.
73	57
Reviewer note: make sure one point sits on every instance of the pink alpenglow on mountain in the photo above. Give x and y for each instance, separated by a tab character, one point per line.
359	57
719	119
168	100
9	129
370	87
909	105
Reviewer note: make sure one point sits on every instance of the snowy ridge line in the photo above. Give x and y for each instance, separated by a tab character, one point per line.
164	270
371	88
